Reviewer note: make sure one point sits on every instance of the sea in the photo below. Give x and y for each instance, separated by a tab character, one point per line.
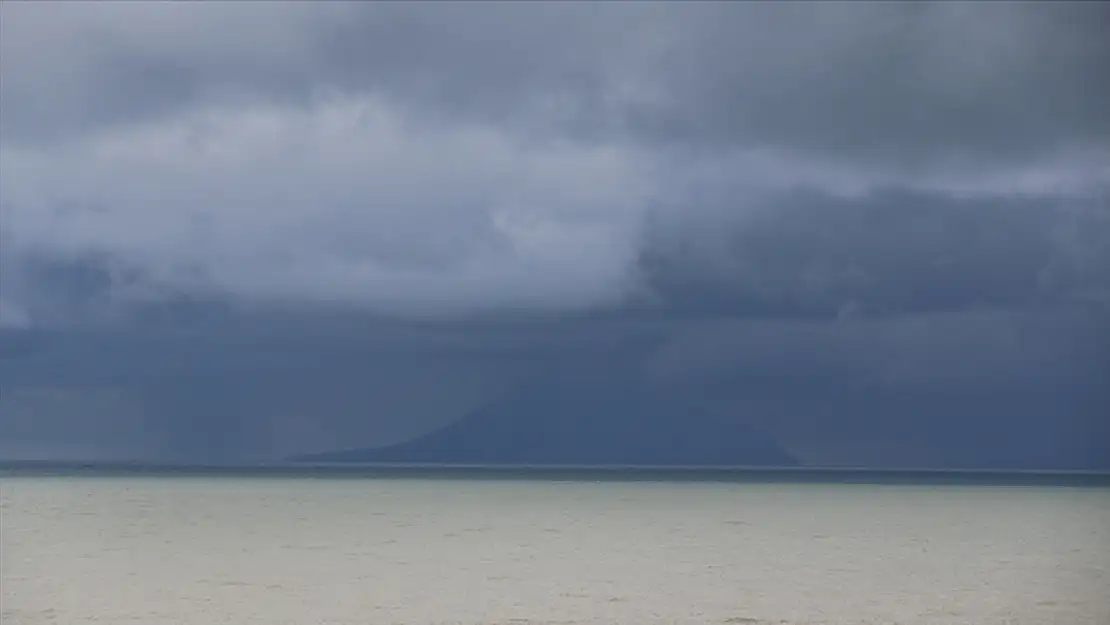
522	546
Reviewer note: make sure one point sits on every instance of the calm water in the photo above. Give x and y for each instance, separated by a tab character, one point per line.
202	550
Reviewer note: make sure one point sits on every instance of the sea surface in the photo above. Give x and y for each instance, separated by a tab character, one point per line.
429	548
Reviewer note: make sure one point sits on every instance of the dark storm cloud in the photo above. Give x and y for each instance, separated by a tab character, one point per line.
976	389
266	385
487	60
901	81
855	391
415	158
890	252
905	204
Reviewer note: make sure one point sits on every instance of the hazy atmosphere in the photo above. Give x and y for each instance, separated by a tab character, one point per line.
841	234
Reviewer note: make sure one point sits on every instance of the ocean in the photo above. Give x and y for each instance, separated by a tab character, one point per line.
575	547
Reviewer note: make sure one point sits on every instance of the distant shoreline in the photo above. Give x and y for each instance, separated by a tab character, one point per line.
816	475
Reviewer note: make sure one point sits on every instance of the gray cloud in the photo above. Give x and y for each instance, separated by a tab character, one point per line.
265	385
890	252
861	226
347	205
903	82
921	388
915	85
467	158
880	232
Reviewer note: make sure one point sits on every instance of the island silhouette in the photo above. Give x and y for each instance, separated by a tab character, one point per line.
584	422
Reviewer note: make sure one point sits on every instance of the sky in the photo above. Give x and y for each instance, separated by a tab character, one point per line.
242	231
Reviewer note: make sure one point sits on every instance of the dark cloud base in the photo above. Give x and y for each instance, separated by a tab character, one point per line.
878	234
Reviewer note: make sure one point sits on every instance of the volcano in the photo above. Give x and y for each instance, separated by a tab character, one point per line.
600	422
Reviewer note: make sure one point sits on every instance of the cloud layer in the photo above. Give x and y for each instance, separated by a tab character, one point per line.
434	159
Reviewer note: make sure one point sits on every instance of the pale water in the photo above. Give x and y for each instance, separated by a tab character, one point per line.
296	551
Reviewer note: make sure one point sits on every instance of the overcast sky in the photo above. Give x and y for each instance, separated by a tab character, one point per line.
767	188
